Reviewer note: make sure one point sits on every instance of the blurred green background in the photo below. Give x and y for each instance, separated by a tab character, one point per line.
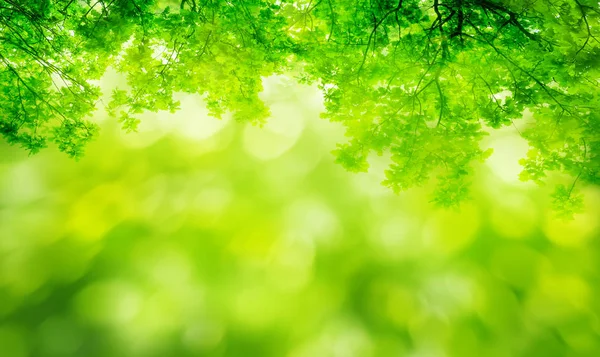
200	237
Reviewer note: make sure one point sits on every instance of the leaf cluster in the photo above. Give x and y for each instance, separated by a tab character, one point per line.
422	81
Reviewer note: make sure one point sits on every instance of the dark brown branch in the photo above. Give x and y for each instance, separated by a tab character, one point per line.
588	29
377	24
513	17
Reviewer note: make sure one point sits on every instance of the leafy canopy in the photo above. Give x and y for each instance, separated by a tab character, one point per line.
421	80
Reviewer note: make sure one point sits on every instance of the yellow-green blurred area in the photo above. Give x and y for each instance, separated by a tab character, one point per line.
200	237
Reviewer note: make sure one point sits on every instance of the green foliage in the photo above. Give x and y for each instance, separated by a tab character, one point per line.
567	201
422	81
